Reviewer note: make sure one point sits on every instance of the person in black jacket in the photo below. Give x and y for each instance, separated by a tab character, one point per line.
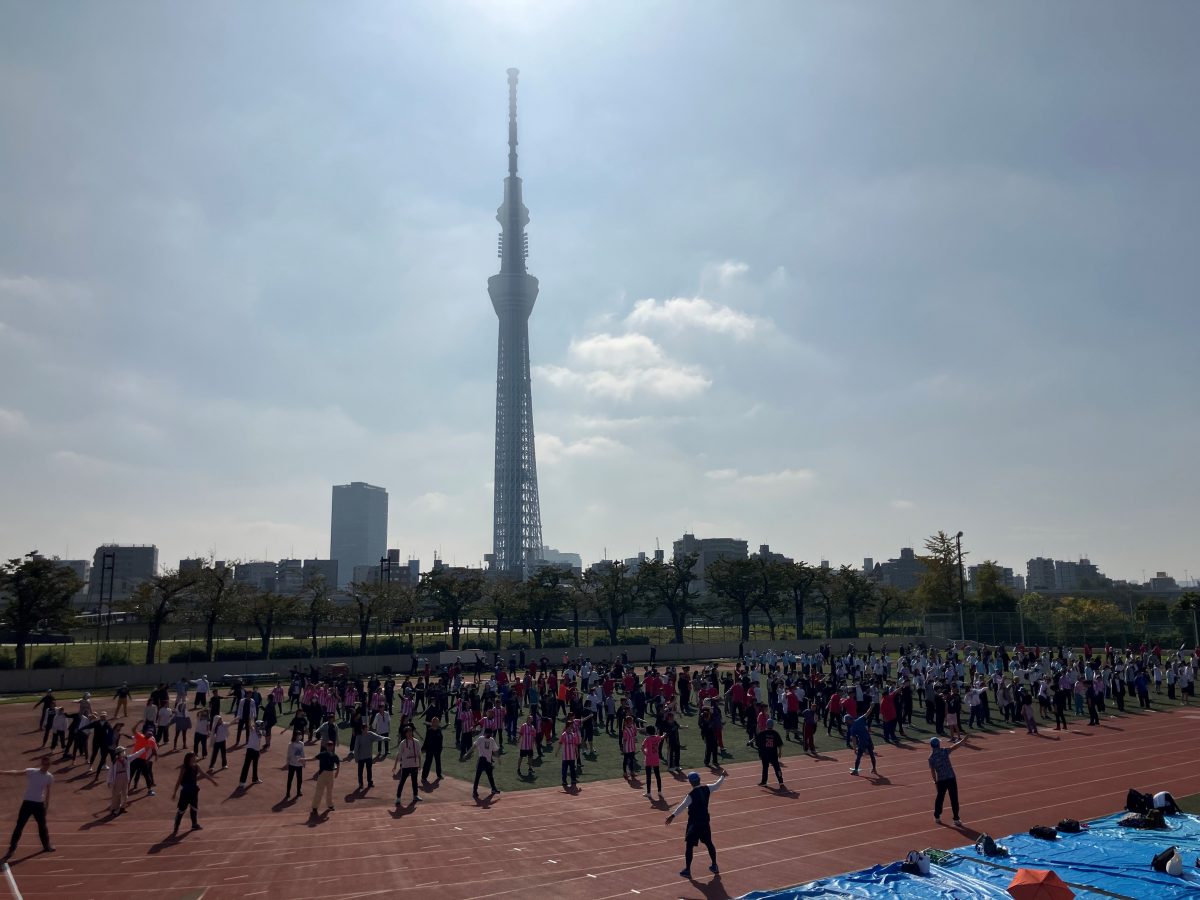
432	748
768	743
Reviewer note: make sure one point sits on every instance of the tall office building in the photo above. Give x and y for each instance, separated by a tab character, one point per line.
708	550
117	570
358	528
516	515
1039	574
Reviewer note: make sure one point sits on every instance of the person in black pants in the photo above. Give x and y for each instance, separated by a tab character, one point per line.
36	803
768	743
699	824
942	772
432	748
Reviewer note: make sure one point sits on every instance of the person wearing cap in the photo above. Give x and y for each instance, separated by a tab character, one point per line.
699	824
118	782
942	772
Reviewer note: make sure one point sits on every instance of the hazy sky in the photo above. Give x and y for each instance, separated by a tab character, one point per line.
830	276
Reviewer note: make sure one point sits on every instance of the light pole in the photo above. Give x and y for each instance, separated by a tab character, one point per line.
962	628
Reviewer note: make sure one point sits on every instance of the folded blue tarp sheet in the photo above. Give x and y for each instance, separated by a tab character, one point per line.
1105	856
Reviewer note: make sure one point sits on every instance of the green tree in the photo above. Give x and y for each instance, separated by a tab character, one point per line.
1183	616
990	593
771	597
891	603
266	611
374	603
36	593
668	585
801	582
502	602
853	593
612	593
937	591
735	585
315	608
155	601
452	595
213	597
541	599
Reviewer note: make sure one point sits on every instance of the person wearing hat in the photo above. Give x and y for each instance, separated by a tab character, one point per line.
699	824
942	772
118	782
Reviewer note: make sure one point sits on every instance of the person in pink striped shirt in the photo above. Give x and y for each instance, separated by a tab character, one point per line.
629	746
568	742
527	738
652	750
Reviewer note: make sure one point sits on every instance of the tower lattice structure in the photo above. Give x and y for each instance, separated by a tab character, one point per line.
517	522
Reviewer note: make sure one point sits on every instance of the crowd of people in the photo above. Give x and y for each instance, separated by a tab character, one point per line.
567	710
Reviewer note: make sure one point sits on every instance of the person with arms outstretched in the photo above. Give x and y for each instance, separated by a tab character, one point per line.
699	824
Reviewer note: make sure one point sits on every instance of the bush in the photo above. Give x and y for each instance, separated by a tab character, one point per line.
191	655
844	632
632	640
433	647
7	662
558	643
338	648
236	654
519	645
390	646
47	660
111	656
295	650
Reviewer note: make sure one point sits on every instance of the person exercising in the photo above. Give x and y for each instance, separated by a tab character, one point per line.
699	825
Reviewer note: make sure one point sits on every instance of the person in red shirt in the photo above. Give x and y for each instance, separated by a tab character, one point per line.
652	750
833	713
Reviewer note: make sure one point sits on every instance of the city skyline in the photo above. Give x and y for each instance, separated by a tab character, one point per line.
861	280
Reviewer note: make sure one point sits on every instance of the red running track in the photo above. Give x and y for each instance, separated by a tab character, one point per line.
605	842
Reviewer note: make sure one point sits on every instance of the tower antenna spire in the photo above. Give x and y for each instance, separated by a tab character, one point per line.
512	121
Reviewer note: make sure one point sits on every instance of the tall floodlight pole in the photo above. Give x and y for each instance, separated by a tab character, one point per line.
962	595
517	516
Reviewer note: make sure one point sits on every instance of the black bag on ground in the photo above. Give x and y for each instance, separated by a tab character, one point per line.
1136	801
988	847
1159	863
1132	820
1155	819
1069	826
1045	832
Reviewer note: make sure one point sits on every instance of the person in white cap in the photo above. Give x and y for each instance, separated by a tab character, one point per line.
943	776
699	825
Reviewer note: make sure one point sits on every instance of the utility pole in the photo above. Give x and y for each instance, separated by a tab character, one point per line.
962	591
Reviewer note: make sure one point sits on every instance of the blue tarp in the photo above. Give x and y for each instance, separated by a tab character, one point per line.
1104	856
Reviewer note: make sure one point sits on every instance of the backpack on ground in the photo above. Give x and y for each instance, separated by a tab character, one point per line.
1045	832
988	847
1136	801
1159	863
1155	819
916	863
1069	826
1133	820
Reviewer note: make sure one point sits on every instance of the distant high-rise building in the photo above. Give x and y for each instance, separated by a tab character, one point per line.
358	529
1162	583
765	552
708	551
81	569
117	570
562	558
1066	575
289	577
903	572
1039	574
323	568
517	512
262	575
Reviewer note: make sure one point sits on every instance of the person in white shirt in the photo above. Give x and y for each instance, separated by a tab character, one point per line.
382	724
485	746
408	760
36	803
201	692
295	763
253	748
220	735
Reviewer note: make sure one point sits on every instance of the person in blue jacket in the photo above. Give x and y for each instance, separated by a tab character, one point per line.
858	731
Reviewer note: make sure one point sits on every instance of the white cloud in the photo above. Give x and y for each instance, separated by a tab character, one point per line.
430	502
622	351
721	474
781	478
674	382
551	449
902	504
13	422
695	312
730	269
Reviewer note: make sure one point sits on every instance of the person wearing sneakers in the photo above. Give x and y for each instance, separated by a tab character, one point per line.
328	766
36	803
699	825
652	750
858	732
408	760
768	742
943	776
